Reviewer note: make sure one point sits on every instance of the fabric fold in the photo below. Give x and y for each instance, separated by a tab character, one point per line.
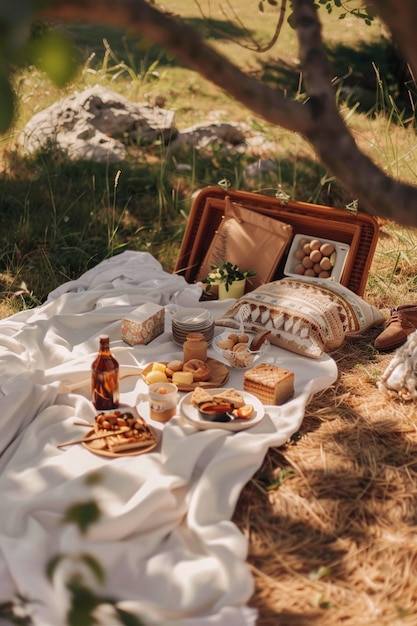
165	537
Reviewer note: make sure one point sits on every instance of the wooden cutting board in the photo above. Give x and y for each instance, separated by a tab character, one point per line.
219	376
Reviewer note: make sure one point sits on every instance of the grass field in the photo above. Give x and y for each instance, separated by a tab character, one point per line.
60	218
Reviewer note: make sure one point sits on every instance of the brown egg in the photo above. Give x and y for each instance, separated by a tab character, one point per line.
299	269
325	263
317	268
310	272
327	249
299	255
307	248
316	256
315	244
307	262
324	274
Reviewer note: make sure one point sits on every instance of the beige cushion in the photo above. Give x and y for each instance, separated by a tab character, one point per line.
305	316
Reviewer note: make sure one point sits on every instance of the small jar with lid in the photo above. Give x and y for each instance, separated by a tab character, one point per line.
195	347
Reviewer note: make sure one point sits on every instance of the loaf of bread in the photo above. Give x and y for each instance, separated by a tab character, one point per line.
269	383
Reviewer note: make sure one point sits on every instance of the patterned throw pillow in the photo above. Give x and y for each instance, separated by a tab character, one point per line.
308	317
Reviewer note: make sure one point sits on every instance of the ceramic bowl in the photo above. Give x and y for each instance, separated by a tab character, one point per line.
214	411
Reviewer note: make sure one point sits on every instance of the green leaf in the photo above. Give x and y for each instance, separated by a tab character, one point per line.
291	20
83	515
94	478
54	55
94	566
53	564
83	604
127	619
282	475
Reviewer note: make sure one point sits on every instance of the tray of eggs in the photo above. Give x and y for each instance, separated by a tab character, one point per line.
314	257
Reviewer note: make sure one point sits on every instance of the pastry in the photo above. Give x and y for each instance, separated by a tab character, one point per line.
199	369
200	395
230	395
269	383
173	366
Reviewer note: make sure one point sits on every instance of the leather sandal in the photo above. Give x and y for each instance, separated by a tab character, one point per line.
402	322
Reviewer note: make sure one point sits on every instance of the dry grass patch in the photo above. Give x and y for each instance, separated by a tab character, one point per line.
331	517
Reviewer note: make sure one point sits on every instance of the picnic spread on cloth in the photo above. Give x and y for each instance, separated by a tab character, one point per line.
165	537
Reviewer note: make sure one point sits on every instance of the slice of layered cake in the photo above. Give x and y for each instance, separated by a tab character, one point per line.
269	383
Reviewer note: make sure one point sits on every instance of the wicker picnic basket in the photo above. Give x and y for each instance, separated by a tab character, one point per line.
358	231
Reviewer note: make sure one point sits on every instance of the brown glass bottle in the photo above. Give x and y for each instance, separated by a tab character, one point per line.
105	378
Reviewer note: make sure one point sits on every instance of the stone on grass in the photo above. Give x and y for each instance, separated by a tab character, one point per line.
96	124
100	125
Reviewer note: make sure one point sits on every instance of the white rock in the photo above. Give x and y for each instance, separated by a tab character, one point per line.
95	125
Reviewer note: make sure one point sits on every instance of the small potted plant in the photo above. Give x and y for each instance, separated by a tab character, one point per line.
231	280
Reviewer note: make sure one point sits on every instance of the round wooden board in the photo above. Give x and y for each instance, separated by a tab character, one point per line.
219	376
115	455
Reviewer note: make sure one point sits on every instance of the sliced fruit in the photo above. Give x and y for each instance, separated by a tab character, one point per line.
244	412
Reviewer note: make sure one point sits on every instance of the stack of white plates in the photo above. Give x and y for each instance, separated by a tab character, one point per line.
186	321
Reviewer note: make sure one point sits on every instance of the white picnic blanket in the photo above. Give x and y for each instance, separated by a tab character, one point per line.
165	538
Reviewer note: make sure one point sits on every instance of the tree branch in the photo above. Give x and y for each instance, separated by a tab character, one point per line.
318	120
255	46
330	137
185	42
401	18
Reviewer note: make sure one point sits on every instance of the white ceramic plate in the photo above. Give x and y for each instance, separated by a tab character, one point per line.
191	414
